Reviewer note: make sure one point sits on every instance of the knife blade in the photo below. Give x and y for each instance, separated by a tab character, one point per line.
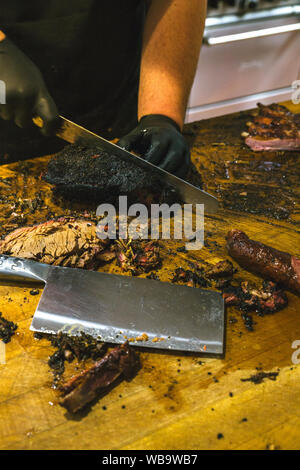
115	308
73	133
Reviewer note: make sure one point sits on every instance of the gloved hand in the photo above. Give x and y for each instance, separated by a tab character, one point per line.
26	92
158	139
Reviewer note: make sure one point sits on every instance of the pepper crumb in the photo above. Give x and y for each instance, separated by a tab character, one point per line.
34	292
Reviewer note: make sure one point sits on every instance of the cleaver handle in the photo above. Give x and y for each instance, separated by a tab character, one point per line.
19	269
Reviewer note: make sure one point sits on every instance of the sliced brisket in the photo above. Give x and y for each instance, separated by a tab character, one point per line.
65	242
273	128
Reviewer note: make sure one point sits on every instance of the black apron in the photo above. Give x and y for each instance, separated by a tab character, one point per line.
88	52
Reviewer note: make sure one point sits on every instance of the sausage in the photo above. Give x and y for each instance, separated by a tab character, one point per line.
264	260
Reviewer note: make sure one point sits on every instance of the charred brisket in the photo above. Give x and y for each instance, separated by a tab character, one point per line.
85	387
90	173
264	260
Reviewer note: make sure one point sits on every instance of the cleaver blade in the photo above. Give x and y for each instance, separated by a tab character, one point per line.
115	308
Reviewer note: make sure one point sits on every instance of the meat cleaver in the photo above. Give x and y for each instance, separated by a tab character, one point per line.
115	308
71	132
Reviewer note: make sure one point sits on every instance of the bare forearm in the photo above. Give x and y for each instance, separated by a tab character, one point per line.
172	41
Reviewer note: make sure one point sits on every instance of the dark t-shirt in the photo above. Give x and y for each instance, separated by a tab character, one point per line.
88	52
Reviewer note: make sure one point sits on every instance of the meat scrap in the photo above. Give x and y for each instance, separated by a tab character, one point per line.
260	377
67	241
81	347
7	329
273	128
80	172
137	256
191	278
203	276
85	387
221	269
267	262
247	297
268	298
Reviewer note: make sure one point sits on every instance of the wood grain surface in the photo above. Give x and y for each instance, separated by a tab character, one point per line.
176	401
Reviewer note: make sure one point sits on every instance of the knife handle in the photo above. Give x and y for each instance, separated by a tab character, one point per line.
19	269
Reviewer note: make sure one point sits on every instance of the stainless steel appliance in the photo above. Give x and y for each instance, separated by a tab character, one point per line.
250	54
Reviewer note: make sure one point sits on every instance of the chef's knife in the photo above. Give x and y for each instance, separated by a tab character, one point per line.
115	308
73	133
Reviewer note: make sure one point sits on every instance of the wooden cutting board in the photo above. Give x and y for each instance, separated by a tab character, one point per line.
177	401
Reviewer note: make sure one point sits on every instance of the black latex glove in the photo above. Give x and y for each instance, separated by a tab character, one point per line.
26	92
159	140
